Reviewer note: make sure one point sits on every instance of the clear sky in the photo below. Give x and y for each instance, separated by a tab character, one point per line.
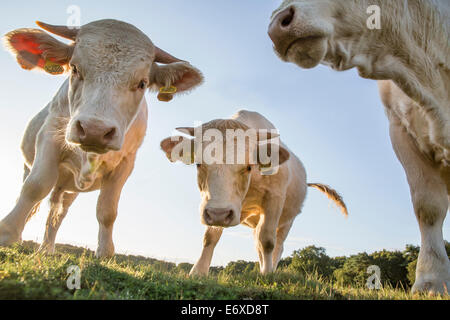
333	121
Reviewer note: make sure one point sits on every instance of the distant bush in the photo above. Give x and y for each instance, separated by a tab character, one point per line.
312	259
240	267
391	263
354	270
215	270
184	267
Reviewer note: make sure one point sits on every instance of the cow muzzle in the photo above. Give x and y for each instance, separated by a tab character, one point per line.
94	135
297	38
219	217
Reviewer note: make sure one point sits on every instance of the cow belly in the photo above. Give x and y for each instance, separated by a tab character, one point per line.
418	127
400	108
29	138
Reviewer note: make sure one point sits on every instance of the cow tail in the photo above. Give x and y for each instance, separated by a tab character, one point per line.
332	195
26	173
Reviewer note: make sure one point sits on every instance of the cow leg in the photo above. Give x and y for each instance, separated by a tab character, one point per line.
210	240
37	186
108	202
282	233
266	234
60	203
258	250
430	201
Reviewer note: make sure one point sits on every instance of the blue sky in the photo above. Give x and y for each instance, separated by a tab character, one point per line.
333	121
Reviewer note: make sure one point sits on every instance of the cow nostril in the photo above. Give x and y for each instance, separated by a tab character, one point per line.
230	216
207	217
287	19
80	130
110	134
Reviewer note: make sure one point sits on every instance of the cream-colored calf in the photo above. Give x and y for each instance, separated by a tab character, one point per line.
87	137
238	193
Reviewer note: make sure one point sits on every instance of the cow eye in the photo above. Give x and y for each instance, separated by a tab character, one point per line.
142	85
249	168
74	69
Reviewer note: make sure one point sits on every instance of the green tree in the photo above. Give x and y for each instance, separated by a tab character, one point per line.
338	262
284	263
411	270
312	259
215	270
393	267
354	270
411	253
239	267
185	267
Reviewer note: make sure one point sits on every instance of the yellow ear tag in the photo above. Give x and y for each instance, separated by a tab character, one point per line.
53	68
92	167
170	90
265	166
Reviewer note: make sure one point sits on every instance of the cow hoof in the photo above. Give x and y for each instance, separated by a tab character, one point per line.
265	272
198	273
8	236
46	249
105	252
432	287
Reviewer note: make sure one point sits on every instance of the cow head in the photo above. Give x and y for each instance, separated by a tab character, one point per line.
111	64
300	30
332	32
228	156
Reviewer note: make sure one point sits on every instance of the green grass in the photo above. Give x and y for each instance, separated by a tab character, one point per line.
27	275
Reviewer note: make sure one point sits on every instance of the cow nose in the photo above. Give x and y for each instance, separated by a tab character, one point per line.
95	135
218	216
280	25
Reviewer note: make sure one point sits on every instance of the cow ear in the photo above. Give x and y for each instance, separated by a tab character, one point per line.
179	148
271	155
174	78
284	155
34	48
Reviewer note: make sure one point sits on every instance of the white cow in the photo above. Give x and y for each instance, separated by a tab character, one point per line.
410	55
238	193
87	137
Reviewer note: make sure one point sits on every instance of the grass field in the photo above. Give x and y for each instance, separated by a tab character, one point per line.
26	275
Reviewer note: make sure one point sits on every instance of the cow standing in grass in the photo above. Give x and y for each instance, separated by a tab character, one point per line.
410	54
87	137
237	192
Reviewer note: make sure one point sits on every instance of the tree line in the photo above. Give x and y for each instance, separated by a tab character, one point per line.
397	267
